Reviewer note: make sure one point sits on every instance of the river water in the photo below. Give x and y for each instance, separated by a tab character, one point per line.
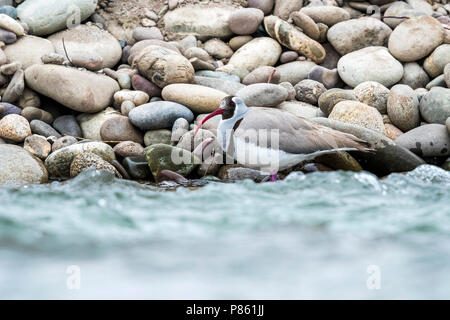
335	235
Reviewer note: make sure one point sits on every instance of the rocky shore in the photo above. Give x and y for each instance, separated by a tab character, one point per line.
121	85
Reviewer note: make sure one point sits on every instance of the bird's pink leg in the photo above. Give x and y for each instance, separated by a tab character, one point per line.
273	177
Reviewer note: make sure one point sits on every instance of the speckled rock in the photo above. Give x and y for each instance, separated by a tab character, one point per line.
435	105
58	162
83	91
18	166
358	66
430	140
436	61
263	95
415	38
38	146
199	99
88	160
403	107
358	113
373	94
14	127
159	115
330	98
164	157
309	91
128	149
355	34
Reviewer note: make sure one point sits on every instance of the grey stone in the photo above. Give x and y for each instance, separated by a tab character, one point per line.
430	140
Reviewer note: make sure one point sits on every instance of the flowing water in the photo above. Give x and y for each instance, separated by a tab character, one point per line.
323	235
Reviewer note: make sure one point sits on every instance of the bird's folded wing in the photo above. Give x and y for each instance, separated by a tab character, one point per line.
277	129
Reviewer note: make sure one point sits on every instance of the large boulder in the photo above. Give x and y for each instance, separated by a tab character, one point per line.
45	17
90	40
18	166
82	91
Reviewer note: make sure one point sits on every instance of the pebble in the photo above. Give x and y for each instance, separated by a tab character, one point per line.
137	97
63	142
265	6
245	21
45	17
290	89
33	113
163	66
283	8
81	91
355	34
8	10
414	75
53	58
143	33
58	162
309	91
358	66
262	75
15	88
179	128
196	52
88	160
292	38
447	74
403	107
159	115
7	37
18	166
218	49
435	105
38	146
137	167
234	173
9	108
91	124
329	78
296	71
263	95
331	97
300	109
392	132
328	15
120	128
163	136
288	56
128	149
435	63
430	140
415	38
200	21
44	129
28	50
140	83
126	107
164	157
14	127
227	86
373	94
199	99
307	24
236	42
10	24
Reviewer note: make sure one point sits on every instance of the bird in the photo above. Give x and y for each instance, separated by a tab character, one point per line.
272	140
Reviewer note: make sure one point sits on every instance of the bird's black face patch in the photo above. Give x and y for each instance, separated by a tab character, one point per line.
228	106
